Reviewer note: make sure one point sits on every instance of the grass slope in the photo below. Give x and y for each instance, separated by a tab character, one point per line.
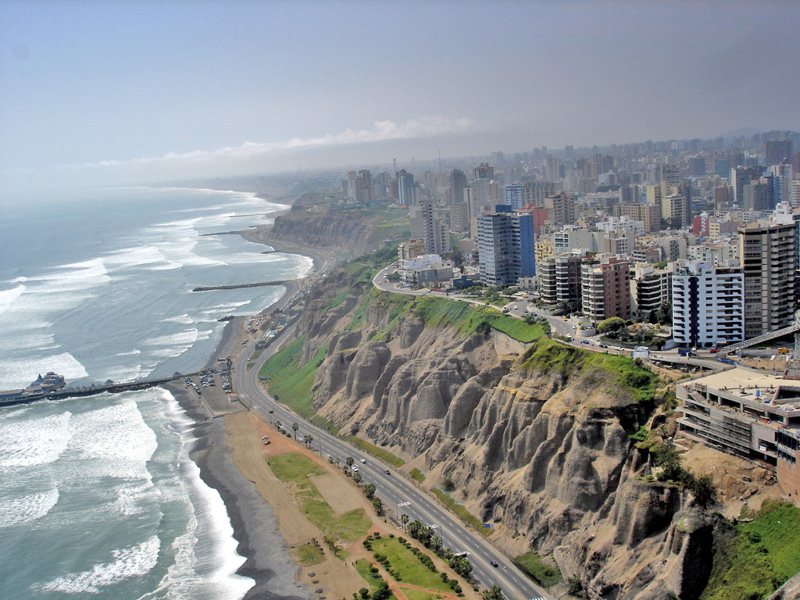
291	381
547	355
757	557
408	566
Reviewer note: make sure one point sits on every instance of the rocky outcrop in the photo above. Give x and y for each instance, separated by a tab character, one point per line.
540	447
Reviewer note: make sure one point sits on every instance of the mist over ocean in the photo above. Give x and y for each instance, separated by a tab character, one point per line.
97	495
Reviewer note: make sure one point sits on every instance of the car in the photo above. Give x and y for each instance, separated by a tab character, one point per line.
272	411
602	346
387	471
266	442
363	461
516	307
584	341
264	437
714	350
494	564
354	468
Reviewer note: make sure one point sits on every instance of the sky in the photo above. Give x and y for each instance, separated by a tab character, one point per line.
137	91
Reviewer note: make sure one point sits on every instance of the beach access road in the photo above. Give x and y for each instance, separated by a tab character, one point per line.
399	494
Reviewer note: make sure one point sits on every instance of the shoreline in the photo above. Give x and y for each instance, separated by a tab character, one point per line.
255	526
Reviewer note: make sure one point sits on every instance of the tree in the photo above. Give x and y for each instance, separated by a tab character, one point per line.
295	427
278	424
369	491
705	494
378	504
308	439
357	477
364	593
404	519
495	593
612	324
349	460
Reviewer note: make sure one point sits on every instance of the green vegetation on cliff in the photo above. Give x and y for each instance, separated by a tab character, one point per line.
537	569
547	355
291	382
753	559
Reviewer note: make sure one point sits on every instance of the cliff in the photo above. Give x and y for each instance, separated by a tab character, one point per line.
535	438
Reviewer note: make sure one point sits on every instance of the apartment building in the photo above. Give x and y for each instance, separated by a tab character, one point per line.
605	290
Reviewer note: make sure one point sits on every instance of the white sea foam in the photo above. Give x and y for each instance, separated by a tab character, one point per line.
32	442
133	561
9	297
19	510
183	319
114	440
132	496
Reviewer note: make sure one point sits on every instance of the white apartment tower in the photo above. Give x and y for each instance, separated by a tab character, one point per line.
707	305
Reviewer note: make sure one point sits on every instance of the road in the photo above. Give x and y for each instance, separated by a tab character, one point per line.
399	495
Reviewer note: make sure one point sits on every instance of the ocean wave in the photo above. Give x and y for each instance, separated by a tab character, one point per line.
133	561
32	442
19	510
9	297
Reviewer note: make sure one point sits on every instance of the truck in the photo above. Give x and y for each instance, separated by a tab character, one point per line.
685	352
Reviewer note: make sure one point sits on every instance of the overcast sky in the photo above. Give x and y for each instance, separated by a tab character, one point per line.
131	91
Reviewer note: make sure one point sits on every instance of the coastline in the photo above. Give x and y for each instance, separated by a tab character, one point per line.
255	526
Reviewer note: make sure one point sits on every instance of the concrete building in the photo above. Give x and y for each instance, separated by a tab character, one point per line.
650	288
405	188
750	414
458	181
560	279
776	151
707	305
605	290
505	246
649	214
562	208
768	254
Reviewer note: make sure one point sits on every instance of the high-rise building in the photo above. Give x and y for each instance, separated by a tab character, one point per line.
707	305
535	192
777	151
458	181
405	188
605	290
650	288
483	171
505	246
670	174
768	252
425	226
562	208
648	214
514	197
560	280
697	166
741	176
359	187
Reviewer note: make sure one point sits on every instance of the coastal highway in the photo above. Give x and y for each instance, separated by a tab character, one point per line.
399	495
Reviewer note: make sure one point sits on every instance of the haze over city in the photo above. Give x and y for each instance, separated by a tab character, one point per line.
133	92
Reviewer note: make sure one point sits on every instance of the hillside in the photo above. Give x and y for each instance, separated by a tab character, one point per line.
566	452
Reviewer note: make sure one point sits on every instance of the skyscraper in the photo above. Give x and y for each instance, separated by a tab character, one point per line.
505	246
405	188
458	181
768	253
483	171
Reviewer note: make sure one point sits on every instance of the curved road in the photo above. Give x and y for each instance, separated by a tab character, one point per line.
398	494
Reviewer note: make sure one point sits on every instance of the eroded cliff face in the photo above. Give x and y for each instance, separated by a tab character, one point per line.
542	452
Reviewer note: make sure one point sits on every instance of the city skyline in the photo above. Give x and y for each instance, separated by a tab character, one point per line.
137	92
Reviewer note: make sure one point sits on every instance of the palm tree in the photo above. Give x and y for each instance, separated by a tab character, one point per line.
404	519
350	460
295	427
308	439
357	477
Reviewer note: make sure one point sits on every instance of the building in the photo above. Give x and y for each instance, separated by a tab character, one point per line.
409	250
605	290
750	414
649	214
650	288
405	188
776	151
426	270
560	279
458	181
505	246
562	208
426	226
707	305
768	254
483	171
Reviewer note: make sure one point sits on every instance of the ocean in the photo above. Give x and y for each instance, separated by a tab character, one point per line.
98	496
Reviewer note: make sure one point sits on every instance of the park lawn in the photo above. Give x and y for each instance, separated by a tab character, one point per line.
362	566
296	468
413	594
310	554
408	566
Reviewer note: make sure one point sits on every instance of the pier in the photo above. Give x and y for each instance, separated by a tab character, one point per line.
238	286
141	384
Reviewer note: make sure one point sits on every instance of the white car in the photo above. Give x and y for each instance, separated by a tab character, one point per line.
354	468
363	461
